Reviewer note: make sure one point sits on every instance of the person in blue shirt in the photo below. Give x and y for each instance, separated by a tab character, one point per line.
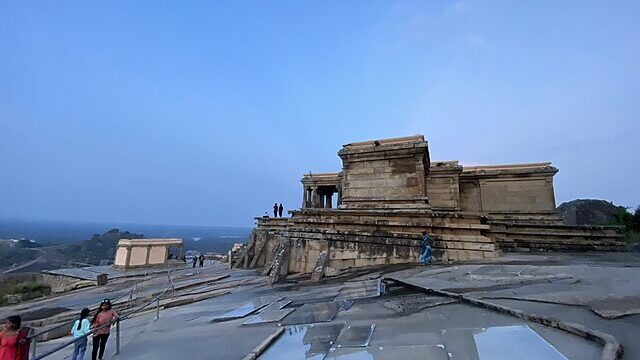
79	330
425	249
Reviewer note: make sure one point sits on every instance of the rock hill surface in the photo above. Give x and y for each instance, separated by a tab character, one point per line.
588	212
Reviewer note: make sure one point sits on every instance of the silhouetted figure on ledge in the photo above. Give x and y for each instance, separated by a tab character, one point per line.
275	210
280	208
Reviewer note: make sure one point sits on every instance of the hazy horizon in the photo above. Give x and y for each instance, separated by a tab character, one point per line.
66	232
106	222
205	113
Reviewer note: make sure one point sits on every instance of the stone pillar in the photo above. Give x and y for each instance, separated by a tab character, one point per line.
314	196
339	200
146	262
304	197
328	201
128	260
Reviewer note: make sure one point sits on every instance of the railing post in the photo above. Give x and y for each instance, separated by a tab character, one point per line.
171	282
117	336
158	308
34	344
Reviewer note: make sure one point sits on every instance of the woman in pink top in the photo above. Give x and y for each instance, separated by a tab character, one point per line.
14	344
101	325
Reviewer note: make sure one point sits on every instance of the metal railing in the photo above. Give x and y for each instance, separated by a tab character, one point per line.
33	338
117	322
131	293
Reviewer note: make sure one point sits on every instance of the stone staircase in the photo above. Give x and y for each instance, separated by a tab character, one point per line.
519	236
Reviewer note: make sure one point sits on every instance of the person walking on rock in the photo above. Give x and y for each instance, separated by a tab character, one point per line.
14	342
101	325
280	208
275	210
195	261
79	330
201	260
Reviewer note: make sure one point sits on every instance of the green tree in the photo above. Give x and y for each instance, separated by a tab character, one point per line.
631	223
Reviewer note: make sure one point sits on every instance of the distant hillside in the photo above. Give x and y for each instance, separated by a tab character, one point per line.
199	238
16	251
589	212
98	248
600	212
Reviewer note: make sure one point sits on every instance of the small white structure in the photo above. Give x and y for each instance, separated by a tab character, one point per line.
140	253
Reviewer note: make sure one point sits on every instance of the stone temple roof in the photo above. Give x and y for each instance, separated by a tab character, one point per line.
150	242
415	143
389	141
508	166
510	169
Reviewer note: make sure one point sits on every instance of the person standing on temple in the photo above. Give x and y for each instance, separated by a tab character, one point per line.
280	208
201	260
195	261
275	210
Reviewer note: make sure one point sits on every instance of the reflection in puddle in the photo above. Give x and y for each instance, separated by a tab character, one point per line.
309	342
313	313
315	341
356	336
360	290
268	316
244	310
499	343
504	342
418	352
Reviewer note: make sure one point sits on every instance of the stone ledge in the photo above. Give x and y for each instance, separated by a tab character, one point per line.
559	226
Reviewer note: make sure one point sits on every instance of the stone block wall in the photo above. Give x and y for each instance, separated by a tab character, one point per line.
355	238
470	198
509	190
385	174
364	237
517	195
443	185
138	256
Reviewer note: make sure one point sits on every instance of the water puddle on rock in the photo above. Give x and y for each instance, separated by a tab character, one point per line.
313	313
334	341
499	343
310	342
418	352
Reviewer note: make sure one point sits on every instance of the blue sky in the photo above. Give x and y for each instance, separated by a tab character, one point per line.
208	112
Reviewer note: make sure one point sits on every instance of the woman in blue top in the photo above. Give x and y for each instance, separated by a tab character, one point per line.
425	249
79	329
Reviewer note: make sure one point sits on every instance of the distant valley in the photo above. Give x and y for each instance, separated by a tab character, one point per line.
38	245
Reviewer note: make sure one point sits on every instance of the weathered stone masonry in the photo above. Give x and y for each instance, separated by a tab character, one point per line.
388	191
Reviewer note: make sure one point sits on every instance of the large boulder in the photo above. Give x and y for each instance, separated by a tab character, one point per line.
589	212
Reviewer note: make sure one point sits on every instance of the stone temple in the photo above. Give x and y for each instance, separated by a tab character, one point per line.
389	191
